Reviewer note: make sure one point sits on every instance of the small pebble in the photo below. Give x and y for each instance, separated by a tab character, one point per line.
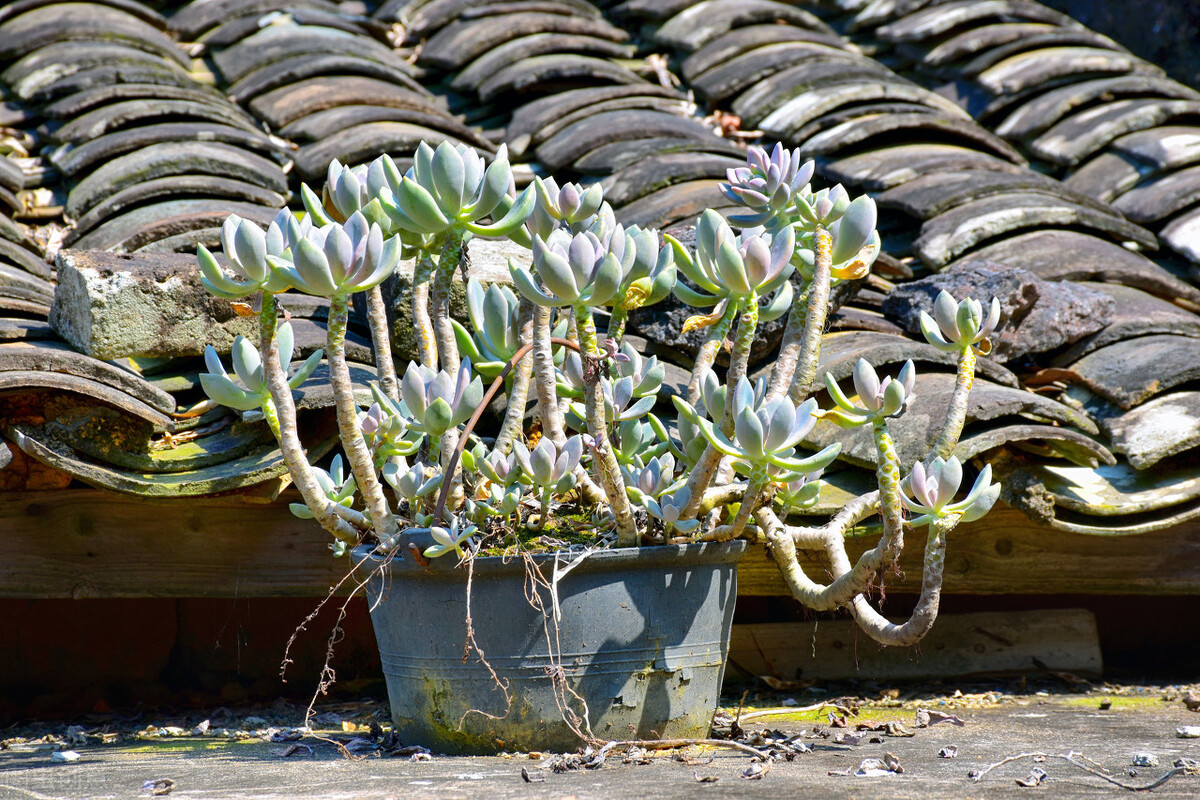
1188	732
64	756
1145	760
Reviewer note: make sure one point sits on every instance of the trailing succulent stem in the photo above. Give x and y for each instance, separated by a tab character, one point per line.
739	459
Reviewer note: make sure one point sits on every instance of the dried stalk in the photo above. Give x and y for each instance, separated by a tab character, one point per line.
381	339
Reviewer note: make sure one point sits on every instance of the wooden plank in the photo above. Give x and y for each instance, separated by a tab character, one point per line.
92	543
1007	553
959	645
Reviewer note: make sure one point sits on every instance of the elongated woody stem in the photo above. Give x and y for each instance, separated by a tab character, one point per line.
422	325
925	613
439	299
707	355
604	460
518	397
956	414
814	320
710	461
891	506
440	508
381	339
357	453
616	324
283	411
750	501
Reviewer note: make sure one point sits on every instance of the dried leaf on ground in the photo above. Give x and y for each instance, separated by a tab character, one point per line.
927	718
1035	778
159	786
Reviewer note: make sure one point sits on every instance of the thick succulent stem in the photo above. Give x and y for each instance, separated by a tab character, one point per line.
545	382
956	414
604	460
789	351
281	416
814	319
382	341
616	324
545	378
439	299
750	501
707	355
422	325
357	453
925	613
891	506
710	461
518	398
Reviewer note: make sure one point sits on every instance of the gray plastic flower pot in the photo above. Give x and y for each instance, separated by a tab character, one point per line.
636	651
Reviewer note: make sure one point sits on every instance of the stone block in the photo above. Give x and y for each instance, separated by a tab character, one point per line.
113	305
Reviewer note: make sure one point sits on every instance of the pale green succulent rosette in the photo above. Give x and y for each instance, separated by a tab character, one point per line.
451	188
246	247
335	260
571	207
449	540
933	487
252	392
878	399
494	315
850	223
954	327
769	186
337	484
437	401
579	270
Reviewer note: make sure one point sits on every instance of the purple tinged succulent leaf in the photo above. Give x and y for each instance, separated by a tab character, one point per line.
748	433
854	229
945	312
866	384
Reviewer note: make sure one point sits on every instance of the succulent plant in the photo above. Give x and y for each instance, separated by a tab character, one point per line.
388	428
766	432
436	401
548	465
800	491
337	484
494	317
877	399
411	483
578	270
571	207
957	326
934	485
451	187
449	540
647	270
769	186
755	263
246	247
252	393
337	259
668	510
652	480
851	224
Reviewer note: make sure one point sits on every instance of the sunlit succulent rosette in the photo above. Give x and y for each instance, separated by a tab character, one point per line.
725	265
636	441
653	480
449	540
550	469
252	393
337	484
955	326
798	492
932	488
246	248
451	187
388	428
437	401
647	271
571	207
495	319
851	225
620	405
766	432
497	501
667	509
413	484
500	468
878	399
769	186
336	259
577	270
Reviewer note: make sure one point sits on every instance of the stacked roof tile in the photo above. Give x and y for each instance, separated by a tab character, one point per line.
1003	141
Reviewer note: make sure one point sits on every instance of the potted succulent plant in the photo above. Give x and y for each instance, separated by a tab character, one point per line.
569	574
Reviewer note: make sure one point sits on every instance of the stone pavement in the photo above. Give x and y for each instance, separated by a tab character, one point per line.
208	767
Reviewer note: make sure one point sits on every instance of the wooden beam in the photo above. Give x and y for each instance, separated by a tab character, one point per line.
92	543
960	645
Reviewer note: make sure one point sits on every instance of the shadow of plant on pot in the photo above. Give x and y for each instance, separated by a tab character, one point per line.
572	581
